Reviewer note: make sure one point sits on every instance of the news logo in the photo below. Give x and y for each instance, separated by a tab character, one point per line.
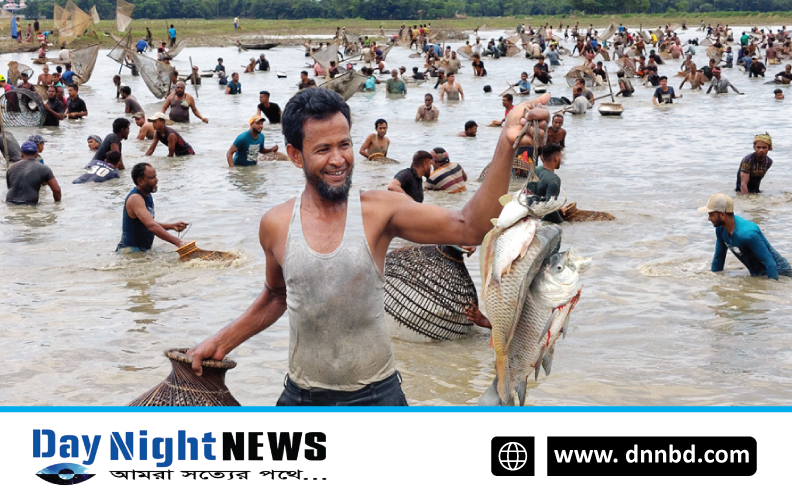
64	474
512	456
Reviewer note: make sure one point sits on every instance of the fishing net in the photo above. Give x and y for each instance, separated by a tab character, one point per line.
608	33
580	72
714	53
15	71
118	53
179	47
326	56
95	15
628	67
427	289
184	388
83	62
156	75
22	107
346	84
386	50
74	22
646	38
57	17
123	15
573	214
351	50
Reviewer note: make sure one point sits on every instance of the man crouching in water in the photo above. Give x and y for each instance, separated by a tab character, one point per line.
331	280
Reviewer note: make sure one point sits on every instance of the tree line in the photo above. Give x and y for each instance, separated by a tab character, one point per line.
400	9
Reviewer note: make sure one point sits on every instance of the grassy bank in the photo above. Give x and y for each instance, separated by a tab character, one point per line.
220	32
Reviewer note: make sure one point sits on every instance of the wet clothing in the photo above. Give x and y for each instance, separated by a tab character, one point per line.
449	178
751	247
453	94
179	109
58	106
628	87
132	104
272	113
263	65
104	147
755	169
133	232
14	154
524	86
248	149
549	186
76	105
721	85
234	87
68	77
97	171
371	83
385	392
411	183
479	65
665	96
336	303
425	114
756	69
24	180
395	86
182	148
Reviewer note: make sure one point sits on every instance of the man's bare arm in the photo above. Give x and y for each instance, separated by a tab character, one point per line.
135	206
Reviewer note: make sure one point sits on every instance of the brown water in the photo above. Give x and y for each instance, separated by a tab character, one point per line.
82	326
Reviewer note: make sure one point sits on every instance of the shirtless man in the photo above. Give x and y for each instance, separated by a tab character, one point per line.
695	77
340	351
180	104
555	133
376	143
471	128
45	78
146	131
452	89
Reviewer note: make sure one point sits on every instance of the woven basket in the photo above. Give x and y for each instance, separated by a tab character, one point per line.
184	388
580	72
573	214
520	170
427	289
189	252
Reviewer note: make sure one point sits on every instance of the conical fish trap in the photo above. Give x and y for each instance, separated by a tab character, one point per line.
184	388
427	289
190	251
22	107
580	72
520	170
574	214
346	84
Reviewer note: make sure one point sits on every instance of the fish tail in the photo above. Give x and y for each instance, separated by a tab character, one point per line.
502	377
490	396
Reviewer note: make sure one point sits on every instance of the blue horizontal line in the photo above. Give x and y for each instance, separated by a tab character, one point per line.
416	409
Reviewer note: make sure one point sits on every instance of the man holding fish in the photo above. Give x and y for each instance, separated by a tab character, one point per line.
331	281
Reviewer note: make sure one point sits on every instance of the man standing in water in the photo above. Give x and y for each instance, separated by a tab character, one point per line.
168	136
376	143
744	239
339	348
664	94
248	145
25	178
427	112
452	89
409	181
112	142
180	104
754	166
138	227
557	134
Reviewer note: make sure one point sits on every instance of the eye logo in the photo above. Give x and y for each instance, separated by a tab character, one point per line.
64	474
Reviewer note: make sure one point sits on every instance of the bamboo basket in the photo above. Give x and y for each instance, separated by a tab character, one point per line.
190	251
184	388
573	214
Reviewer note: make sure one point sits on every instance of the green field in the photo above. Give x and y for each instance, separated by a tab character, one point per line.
220	32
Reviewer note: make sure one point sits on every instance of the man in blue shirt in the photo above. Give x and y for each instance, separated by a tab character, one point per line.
172	33
523	84
248	145
234	87
141	46
744	239
68	76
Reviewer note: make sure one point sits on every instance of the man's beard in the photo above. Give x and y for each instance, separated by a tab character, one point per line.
333	194
179	94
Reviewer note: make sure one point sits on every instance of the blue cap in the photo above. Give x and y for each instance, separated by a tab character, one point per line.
38	139
29	147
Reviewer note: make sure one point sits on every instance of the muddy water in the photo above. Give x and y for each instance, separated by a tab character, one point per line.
82	326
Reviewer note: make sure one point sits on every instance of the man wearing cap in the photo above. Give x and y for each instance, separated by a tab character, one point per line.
744	239
56	110
112	142
427	112
447	176
246	148
138	227
180	103
754	166
168	136
268	109
756	68
131	105
408	180
146	131
39	141
94	141
75	106
25	178
721	84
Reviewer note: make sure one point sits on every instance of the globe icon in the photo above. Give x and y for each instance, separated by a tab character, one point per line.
512	456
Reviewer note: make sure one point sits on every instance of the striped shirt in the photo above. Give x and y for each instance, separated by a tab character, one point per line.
450	178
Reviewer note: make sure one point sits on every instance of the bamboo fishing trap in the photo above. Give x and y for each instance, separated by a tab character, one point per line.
427	289
22	107
184	388
580	72
190	252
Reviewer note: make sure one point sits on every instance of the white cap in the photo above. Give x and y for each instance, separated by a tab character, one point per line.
718	203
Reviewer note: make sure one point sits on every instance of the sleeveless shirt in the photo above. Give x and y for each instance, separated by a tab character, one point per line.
178	112
336	304
133	232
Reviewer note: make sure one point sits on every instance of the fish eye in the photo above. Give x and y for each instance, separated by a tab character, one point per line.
559	267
